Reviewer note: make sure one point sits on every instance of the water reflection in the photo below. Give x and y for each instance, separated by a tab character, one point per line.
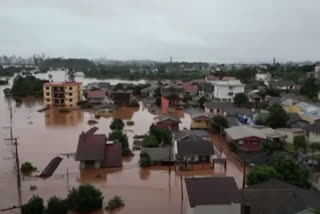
125	113
55	118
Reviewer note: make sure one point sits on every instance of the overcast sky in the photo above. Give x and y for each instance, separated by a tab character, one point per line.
191	30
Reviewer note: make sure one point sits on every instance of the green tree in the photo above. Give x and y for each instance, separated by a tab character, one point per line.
33	206
118	135
288	170
300	143
115	203
241	100
117	124
277	117
27	86
57	205
258	174
310	88
144	159
27	167
150	141
202	101
219	123
86	198
162	135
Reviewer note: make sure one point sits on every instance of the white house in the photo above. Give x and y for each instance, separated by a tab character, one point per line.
291	133
265	77
208	195
226	90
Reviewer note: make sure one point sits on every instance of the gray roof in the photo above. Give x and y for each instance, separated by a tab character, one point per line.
179	135
278	197
158	154
315	128
165	117
212	191
232	121
195	113
194	145
244	131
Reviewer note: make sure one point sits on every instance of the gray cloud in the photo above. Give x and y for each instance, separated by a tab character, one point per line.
205	30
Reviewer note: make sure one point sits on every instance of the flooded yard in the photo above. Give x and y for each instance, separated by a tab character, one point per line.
43	136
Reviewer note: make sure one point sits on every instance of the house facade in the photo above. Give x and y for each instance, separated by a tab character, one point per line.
64	94
96	96
291	133
226	90
166	121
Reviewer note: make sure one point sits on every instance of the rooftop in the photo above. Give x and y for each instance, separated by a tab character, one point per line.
212	191
194	145
165	117
91	147
62	84
96	94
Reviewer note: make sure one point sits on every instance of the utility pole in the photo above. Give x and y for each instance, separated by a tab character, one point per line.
244	174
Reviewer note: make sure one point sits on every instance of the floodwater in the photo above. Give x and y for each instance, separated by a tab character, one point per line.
43	136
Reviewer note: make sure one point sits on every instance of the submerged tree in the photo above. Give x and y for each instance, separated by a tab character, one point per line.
219	123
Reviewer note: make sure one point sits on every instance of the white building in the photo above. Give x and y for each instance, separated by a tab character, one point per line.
226	90
208	195
265	77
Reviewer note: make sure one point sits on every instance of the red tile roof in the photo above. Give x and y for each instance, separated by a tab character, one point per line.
96	94
212	77
188	87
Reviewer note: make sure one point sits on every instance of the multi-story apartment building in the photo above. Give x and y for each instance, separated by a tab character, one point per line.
66	94
226	90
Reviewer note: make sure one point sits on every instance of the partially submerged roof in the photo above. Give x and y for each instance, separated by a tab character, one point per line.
113	155
165	117
278	197
194	145
91	147
159	154
212	191
229	108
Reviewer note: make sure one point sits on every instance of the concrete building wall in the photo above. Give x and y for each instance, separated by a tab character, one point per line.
290	134
313	137
227	92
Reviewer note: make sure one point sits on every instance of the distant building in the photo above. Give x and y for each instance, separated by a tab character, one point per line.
317	71
167	121
190	89
122	98
265	77
200	119
226	90
210	195
282	85
96	96
66	94
291	133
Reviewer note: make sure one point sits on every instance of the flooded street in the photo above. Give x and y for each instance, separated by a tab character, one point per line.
43	136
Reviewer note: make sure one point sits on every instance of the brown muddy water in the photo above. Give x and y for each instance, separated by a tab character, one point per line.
43	136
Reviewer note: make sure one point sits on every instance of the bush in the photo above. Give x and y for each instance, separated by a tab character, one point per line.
150	141
144	159
57	205
34	206
85	198
27	167
117	124
64	110
130	123
114	203
118	135
134	104
258	174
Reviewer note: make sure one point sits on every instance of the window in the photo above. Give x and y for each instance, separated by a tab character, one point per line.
47	88
70	94
70	100
48	94
48	100
70	88
230	93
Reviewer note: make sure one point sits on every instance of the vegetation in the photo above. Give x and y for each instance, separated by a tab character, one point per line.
241	100
115	203
150	141
75	64
144	159
57	205
130	123
118	135
258	174
310	88
64	110
4	82
27	86
300	144
270	146
33	206
219	123
277	118
27	167
11	70
161	135
117	124
202	101
86	198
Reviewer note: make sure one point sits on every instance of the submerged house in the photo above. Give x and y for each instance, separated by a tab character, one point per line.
209	195
167	121
94	151
199	119
122	98
193	147
96	96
